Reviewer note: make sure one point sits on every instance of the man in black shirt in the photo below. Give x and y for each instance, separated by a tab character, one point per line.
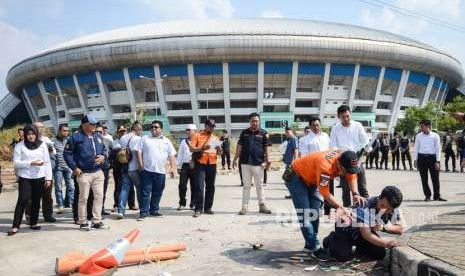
405	151
447	149
253	152
394	147
460	148
225	145
384	148
374	154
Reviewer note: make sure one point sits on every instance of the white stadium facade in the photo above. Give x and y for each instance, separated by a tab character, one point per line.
181	72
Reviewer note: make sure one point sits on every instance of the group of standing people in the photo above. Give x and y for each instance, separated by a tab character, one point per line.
397	145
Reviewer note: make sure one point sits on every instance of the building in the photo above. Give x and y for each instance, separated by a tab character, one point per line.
183	71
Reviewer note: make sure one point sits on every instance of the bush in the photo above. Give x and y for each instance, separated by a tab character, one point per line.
6	137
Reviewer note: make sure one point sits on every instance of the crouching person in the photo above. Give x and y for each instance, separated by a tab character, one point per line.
379	214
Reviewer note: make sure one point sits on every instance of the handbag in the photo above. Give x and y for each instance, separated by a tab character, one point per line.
198	154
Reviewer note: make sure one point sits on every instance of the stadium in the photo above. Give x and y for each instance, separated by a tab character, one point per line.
185	71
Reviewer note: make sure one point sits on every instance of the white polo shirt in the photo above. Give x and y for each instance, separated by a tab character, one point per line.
155	152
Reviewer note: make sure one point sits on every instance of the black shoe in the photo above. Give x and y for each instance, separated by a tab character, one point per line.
196	214
133	208
287	197
12	233
141	218
98	225
105	213
50	219
338	186
156	214
209	212
84	227
322	255
37	227
427	199
440	199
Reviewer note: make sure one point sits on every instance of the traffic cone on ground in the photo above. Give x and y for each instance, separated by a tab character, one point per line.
109	257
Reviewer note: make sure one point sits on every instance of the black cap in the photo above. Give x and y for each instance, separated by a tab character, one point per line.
89	119
350	162
210	122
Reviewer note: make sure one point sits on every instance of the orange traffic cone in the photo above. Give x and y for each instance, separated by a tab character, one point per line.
109	257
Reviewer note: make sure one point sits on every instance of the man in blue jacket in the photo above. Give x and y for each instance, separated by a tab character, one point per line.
85	155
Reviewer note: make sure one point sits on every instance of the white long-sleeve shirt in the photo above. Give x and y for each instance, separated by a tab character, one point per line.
22	158
427	144
184	154
313	142
351	138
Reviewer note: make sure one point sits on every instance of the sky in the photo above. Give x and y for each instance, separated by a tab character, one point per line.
28	27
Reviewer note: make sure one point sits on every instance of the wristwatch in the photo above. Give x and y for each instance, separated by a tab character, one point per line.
355	194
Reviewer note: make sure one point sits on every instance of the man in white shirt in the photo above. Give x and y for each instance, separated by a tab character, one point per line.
427	156
186	168
303	141
349	135
318	140
153	151
129	173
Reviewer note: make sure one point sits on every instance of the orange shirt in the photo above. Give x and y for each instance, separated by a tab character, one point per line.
198	140
319	168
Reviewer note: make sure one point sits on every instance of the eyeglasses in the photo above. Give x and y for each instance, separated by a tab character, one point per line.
65	130
155	127
99	132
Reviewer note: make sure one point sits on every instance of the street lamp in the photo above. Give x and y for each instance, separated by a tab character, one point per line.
155	83
208	87
56	105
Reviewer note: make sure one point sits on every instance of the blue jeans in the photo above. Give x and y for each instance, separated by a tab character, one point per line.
60	174
307	203
152	186
129	180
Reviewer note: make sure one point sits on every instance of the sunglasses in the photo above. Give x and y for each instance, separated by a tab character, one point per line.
155	127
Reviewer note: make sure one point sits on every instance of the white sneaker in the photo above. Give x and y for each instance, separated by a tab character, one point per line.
119	216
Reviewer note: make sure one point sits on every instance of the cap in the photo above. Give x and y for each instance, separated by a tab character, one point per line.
191	127
89	119
121	128
350	162
210	122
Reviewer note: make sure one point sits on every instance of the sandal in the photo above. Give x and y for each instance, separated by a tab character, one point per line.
11	232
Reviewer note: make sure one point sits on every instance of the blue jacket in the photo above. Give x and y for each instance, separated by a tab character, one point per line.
79	152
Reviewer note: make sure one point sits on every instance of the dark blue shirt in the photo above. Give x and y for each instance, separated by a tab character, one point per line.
80	152
253	145
292	144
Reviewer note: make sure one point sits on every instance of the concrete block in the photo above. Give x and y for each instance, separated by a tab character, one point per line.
405	260
433	267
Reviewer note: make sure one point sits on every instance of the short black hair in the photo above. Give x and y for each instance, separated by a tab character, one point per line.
393	195
104	127
254	114
20	129
160	123
343	108
425	122
135	125
289	128
307	128
313	119
61	127
225	131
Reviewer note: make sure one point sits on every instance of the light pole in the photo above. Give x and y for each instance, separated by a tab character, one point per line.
56	105
208	87
155	83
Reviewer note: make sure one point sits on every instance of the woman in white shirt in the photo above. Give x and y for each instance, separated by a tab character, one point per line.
32	164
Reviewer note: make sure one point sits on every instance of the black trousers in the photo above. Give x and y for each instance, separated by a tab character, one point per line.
327	206
340	245
90	202
460	156
450	154
384	159
204	186
226	158
187	174
47	203
361	184
374	156
395	159
426	162
406	154
29	190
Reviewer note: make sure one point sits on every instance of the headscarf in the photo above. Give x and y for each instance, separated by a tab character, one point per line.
31	145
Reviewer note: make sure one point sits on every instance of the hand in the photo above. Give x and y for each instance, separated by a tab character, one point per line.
77	172
267	165
378	227
206	147
179	171
393	243
359	200
234	165
437	165
99	159
47	183
415	164
37	163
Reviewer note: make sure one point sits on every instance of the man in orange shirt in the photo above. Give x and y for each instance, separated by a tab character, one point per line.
307	179
206	146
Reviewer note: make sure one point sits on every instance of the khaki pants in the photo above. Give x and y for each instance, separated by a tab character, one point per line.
248	173
86	182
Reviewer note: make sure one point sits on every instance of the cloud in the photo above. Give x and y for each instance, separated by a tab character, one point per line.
447	9
188	9
271	14
16	45
53	8
388	20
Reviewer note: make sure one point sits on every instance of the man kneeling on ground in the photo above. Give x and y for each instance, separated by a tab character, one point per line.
379	214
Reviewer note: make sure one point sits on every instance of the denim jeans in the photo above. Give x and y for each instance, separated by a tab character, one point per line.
61	174
307	202
152	186
129	180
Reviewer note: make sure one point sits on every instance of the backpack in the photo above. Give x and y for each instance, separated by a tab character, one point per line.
124	155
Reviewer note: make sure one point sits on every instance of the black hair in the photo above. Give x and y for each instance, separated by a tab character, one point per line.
104	127
289	128
160	123
313	119
60	127
343	108
254	114
20	129
393	195
225	131
306	128
135	125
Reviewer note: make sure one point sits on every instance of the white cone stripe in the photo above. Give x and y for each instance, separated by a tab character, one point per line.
118	249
